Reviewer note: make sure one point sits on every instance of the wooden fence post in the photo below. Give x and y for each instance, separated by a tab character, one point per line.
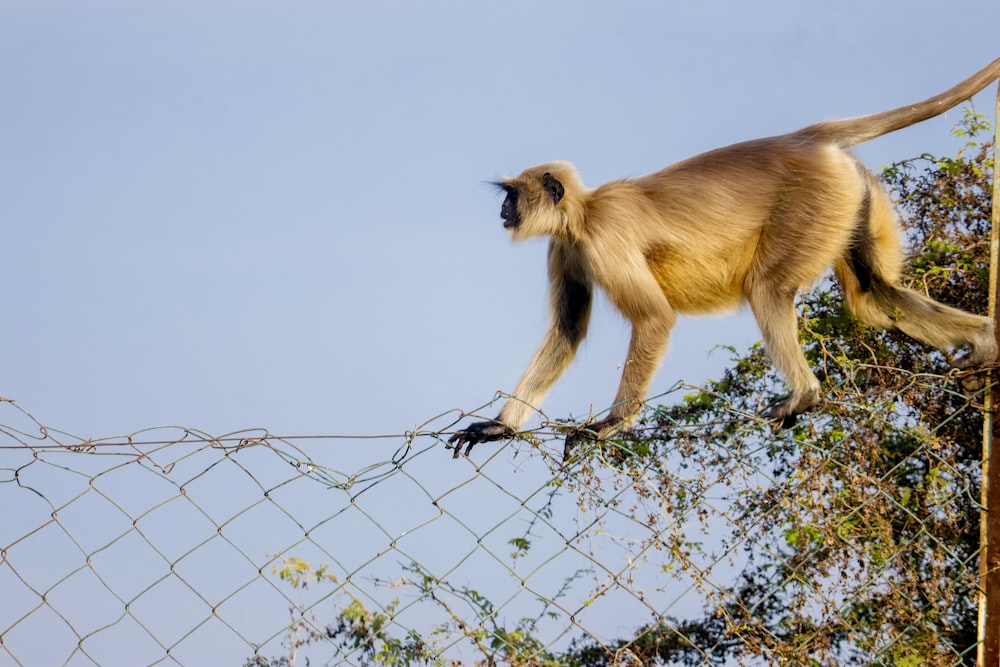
989	530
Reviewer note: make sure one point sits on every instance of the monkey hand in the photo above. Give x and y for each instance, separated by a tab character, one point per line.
478	432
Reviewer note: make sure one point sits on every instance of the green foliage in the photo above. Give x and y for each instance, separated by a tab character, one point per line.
299	574
365	635
260	661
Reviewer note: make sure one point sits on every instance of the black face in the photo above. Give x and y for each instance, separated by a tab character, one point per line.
508	210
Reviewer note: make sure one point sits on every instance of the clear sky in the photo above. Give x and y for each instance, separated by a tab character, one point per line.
243	213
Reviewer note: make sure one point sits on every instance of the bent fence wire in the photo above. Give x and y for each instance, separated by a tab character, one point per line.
173	546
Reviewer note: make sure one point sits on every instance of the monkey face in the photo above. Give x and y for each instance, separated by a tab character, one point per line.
508	210
535	201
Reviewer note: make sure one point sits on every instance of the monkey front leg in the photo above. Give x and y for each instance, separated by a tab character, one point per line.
571	297
649	341
550	360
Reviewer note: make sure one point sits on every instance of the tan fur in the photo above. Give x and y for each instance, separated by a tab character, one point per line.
753	222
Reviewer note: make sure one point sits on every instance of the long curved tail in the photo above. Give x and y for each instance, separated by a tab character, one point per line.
851	131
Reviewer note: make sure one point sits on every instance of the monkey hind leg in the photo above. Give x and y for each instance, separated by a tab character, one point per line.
869	274
776	317
888	306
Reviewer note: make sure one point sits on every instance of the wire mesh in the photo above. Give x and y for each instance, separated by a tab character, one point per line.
174	546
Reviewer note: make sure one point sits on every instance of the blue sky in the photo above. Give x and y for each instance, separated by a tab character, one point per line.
237	214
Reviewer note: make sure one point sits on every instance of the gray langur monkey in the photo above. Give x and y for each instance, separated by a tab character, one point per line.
753	222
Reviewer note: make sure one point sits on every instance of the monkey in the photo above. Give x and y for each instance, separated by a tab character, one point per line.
754	222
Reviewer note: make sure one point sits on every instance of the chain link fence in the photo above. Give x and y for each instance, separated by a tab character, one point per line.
174	546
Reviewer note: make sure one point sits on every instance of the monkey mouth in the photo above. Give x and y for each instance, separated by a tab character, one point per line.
511	219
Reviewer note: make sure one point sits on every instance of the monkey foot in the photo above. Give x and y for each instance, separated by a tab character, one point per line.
575	437
972	381
786	411
593	432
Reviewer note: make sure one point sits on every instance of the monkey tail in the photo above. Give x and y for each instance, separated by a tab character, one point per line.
851	131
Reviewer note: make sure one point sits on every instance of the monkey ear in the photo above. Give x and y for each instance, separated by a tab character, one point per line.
553	187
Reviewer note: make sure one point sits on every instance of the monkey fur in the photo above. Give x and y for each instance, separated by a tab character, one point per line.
754	222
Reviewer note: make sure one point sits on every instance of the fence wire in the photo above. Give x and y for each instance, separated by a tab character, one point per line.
174	546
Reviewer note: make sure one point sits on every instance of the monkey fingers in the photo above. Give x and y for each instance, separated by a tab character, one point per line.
477	432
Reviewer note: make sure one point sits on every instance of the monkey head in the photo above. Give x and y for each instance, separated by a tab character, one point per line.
540	201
